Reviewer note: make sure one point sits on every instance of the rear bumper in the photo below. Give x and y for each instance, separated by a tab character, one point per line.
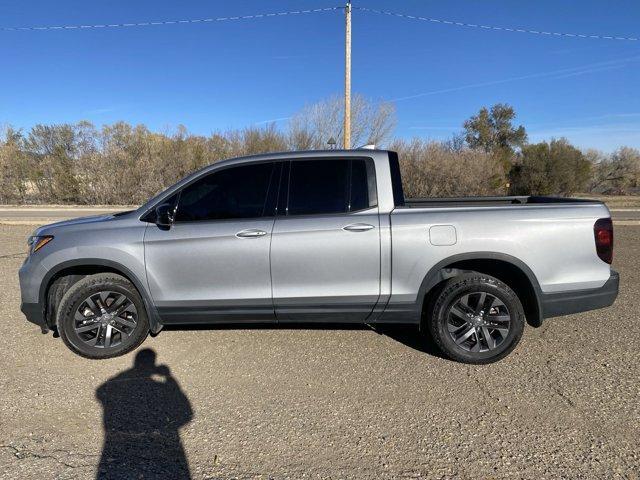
566	303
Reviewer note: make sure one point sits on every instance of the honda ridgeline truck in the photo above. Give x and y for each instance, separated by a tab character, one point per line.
323	236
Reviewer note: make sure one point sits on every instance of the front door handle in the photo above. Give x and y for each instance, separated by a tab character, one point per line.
253	233
358	227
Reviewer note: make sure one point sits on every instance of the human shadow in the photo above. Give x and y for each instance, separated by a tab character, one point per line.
143	410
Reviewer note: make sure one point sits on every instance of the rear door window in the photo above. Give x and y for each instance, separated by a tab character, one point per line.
330	186
318	186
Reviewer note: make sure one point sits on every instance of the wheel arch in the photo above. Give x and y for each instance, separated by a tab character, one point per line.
80	268
506	268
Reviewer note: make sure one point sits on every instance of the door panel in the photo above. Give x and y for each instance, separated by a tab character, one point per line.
324	272
207	272
212	264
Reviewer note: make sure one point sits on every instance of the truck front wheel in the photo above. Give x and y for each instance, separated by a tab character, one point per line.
475	318
102	316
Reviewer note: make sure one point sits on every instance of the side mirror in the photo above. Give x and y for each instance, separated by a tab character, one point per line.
164	215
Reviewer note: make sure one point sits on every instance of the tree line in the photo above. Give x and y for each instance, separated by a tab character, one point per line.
126	164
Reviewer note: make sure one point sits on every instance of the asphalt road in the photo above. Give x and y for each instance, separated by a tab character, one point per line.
621	214
39	215
324	402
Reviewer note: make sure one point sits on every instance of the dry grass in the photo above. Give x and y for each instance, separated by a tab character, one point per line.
614	201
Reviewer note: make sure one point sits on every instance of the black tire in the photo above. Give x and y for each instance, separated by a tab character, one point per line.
490	344
126	337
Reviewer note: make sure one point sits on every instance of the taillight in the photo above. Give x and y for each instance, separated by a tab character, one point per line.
603	233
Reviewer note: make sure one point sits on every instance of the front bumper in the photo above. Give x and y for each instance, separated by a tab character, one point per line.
31	276
566	303
35	314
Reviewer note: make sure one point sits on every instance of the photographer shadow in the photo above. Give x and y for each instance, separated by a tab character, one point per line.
143	410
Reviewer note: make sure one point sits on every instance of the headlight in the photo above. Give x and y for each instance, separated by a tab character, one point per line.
37	242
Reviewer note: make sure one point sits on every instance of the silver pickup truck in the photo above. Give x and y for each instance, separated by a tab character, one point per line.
323	236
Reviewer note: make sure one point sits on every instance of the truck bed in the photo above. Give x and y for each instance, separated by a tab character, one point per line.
491	201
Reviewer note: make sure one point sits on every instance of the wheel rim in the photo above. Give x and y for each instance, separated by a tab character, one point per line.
478	322
105	319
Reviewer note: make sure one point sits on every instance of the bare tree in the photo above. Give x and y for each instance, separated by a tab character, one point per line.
14	167
126	164
433	169
617	173
315	124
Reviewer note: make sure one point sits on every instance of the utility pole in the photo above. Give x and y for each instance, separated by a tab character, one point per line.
347	77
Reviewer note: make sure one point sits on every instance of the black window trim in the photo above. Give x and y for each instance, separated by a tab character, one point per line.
371	177
396	180
283	192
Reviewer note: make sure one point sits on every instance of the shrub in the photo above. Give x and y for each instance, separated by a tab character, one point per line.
550	168
430	169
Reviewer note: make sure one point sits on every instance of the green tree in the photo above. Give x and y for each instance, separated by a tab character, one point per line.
493	132
555	168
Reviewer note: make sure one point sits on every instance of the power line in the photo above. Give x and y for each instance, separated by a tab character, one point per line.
171	22
317	10
492	27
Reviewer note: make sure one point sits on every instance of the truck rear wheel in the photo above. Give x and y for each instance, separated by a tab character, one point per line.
102	316
475	318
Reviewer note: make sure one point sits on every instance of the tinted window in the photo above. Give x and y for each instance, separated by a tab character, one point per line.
396	179
318	186
359	186
329	186
238	192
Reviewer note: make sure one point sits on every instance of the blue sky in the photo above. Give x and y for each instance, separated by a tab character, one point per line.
221	75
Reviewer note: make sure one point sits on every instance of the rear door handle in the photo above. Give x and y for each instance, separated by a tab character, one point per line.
358	227
252	233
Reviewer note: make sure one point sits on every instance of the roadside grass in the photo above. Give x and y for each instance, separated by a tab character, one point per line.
613	201
65	206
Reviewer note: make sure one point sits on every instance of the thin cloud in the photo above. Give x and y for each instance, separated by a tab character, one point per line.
606	137
589	129
289	57
101	111
616	115
272	120
427	127
603	121
581	70
589	71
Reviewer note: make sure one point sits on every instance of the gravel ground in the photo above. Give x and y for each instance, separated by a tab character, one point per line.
324	402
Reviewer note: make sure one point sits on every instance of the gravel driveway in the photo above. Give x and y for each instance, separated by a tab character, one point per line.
329	402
